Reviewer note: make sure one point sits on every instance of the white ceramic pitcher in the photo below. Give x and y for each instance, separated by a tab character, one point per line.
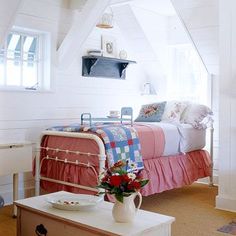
125	212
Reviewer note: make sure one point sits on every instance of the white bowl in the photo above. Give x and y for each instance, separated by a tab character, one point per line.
74	203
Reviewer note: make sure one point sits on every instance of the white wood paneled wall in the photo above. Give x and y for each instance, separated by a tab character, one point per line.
226	198
148	41
25	114
201	20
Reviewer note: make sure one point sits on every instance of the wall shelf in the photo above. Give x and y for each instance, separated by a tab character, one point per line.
106	67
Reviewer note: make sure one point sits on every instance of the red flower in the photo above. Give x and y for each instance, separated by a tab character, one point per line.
125	178
130	186
134	185
115	180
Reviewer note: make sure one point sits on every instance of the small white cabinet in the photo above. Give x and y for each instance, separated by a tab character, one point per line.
15	158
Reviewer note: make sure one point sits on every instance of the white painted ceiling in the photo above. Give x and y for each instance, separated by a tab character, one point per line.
162	7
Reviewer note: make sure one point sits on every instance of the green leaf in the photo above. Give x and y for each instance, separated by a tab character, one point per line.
119	197
104	185
144	182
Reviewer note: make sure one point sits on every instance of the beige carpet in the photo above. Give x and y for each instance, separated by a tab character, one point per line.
192	206
194	210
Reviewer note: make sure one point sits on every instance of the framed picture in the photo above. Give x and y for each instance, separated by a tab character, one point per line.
109	46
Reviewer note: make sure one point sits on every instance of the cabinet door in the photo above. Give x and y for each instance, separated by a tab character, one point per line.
15	159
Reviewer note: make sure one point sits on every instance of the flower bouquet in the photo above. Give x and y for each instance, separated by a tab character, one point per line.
122	180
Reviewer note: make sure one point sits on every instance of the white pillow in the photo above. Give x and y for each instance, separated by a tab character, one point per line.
194	115
191	139
173	111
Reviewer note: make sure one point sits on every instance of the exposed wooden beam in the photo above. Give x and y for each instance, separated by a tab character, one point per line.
8	13
80	30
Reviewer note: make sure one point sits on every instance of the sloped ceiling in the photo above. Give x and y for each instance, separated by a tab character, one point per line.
80	30
7	16
162	7
200	19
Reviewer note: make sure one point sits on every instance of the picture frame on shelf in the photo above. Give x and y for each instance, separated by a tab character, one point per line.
109	46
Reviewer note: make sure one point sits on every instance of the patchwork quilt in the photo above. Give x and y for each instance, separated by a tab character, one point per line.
121	142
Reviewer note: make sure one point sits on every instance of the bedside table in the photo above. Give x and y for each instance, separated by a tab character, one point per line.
15	158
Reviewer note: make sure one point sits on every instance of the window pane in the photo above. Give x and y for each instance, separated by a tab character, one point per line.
13	73
14	46
30	48
19	60
187	76
30	74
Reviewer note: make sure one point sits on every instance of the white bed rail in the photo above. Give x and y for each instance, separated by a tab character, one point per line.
38	163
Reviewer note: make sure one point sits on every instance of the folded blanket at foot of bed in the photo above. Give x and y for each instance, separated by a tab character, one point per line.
121	142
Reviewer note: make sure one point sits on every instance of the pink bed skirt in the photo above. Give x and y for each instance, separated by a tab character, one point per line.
171	172
164	173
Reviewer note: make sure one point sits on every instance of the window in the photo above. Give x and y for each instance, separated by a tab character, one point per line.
188	78
21	61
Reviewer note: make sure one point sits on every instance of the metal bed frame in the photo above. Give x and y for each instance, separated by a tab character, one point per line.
101	156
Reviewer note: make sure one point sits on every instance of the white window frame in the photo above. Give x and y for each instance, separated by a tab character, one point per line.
43	61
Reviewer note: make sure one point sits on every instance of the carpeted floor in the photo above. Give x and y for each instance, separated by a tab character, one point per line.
194	210
192	206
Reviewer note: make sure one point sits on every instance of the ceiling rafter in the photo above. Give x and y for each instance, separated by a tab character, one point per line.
80	30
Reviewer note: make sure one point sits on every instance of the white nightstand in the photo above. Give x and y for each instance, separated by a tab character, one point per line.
15	158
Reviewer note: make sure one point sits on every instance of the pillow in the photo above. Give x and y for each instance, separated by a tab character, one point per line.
194	114
151	112
173	111
191	139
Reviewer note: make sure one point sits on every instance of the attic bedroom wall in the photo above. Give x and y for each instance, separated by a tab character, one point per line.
201	20
25	114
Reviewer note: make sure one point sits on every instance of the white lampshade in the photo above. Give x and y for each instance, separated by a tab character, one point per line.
148	89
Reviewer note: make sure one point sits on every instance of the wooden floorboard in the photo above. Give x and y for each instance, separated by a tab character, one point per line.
7	222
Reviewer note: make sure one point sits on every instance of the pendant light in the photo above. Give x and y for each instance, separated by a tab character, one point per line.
106	21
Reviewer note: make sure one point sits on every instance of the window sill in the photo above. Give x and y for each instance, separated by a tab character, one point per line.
23	90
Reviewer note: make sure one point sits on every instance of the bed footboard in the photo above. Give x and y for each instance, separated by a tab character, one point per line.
39	159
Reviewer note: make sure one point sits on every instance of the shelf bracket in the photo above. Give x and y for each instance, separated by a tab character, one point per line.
92	63
122	68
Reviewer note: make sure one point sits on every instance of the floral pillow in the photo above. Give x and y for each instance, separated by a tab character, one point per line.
194	114
173	111
151	112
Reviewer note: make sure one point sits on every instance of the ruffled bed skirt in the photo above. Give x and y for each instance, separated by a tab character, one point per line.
171	172
164	173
